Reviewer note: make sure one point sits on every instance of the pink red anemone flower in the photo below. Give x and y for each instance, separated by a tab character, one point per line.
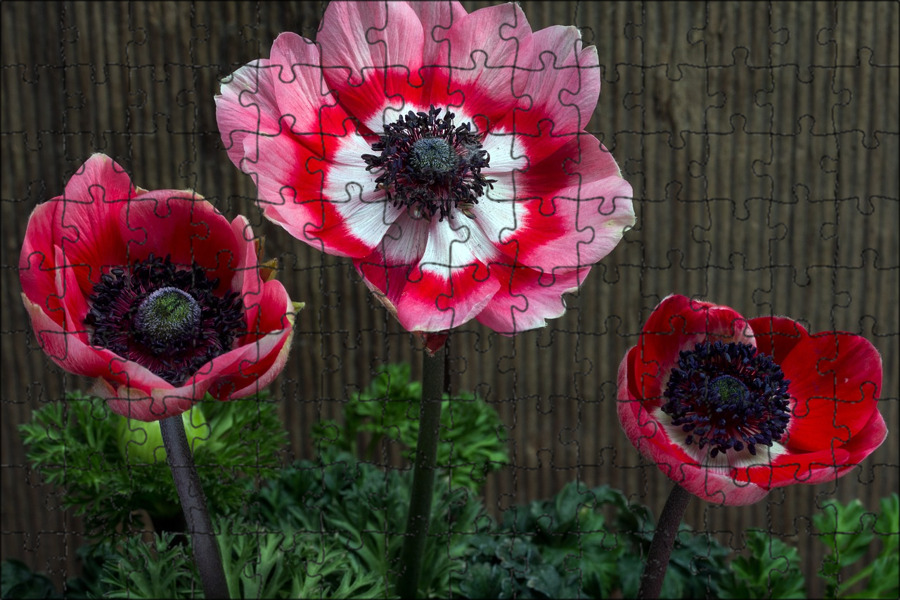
153	293
443	152
730	408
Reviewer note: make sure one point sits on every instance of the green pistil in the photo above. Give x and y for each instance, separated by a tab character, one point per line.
167	315
728	390
432	155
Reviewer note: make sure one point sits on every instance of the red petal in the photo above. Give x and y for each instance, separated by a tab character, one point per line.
835	380
777	336
803	467
677	324
438	299
183	225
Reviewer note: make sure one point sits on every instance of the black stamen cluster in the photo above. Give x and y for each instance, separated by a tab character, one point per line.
115	301
728	396
430	187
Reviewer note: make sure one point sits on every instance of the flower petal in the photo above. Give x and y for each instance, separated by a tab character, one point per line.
246	106
777	336
203	235
291	182
528	297
835	380
487	51
677	324
441	298
371	54
573	210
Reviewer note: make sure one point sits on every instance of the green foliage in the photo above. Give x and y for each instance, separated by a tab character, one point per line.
365	509
76	446
585	543
473	439
18	581
333	527
770	571
849	531
158	570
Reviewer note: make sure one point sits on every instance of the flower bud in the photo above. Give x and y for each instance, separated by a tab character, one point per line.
141	443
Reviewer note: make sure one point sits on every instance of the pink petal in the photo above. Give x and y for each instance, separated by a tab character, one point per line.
305	104
148	406
562	85
246	106
436	17
37	261
835	380
488	48
74	300
575	208
291	181
438	299
371	52
274	322
527	298
82	221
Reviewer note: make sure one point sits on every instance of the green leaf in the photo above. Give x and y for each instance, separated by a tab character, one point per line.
18	581
772	570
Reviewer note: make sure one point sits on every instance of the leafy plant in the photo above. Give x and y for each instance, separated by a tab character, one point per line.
365	509
848	531
770	571
77	445
18	581
473	440
593	540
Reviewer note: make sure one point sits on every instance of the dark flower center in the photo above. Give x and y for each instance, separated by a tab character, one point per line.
166	318
430	165
728	396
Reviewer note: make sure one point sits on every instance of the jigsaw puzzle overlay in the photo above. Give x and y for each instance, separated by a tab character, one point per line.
739	154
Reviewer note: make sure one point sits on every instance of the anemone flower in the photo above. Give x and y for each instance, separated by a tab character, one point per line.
730	408
152	293
445	153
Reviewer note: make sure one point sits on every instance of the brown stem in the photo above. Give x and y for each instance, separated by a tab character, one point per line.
193	503
663	541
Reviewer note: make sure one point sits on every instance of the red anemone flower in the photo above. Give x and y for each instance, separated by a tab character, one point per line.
730	408
153	293
443	152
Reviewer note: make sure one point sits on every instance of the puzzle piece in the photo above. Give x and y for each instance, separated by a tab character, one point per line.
760	158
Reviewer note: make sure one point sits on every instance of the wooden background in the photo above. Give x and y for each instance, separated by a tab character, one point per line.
761	141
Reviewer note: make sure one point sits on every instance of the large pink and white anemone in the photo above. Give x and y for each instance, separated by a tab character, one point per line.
495	222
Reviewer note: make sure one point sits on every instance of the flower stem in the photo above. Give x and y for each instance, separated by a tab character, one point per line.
433	375
193	503
663	540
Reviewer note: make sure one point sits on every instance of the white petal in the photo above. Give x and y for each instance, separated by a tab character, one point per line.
351	189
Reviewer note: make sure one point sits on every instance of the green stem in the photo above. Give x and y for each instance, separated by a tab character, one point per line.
663	541
851	581
433	375
193	503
